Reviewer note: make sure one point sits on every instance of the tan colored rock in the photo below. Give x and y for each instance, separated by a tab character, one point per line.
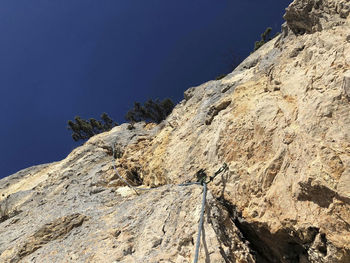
49	232
281	121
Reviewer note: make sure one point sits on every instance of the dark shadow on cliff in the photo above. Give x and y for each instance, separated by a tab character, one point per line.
281	246
224	178
221	233
205	246
266	246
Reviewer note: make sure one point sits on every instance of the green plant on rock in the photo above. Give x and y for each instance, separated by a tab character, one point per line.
152	111
265	37
85	129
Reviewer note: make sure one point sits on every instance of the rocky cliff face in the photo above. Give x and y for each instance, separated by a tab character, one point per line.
281	121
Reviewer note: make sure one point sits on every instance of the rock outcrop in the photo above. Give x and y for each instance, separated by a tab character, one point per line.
280	120
309	16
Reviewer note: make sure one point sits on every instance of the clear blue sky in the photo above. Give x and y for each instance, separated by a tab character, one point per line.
84	57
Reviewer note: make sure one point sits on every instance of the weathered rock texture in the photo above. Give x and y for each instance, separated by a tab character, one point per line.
281	121
309	16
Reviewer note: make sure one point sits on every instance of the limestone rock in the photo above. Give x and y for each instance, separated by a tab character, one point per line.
280	120
309	16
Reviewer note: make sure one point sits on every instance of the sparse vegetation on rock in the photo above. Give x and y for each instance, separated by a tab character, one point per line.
84	129
264	38
152	111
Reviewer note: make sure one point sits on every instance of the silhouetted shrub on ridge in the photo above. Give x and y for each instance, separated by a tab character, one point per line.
265	37
151	111
84	129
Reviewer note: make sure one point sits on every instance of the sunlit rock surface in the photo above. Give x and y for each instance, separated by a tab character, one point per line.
281	121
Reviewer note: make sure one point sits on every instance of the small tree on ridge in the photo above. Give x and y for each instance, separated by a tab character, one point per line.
153	111
85	129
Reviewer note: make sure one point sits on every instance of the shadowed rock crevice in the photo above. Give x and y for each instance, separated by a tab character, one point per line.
133	176
258	248
286	246
214	110
231	241
275	247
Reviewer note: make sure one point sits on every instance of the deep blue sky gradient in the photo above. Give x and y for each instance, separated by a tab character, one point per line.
84	57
